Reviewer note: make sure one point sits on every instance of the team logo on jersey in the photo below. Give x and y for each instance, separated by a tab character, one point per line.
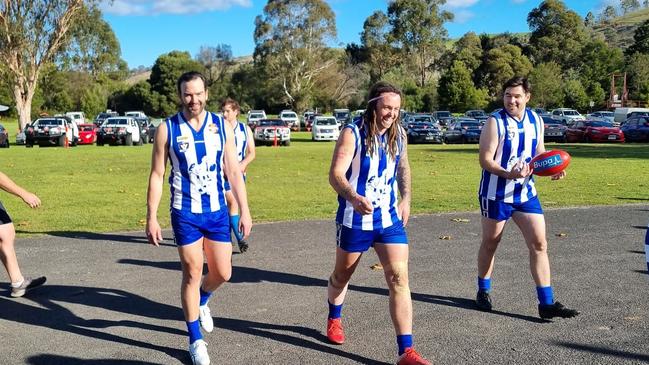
512	130
213	128
183	143
203	177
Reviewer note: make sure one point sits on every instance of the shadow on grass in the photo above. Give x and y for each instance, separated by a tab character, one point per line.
50	359
52	313
638	151
604	351
632	198
252	275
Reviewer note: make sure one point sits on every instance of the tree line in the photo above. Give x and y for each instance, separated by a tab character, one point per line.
60	55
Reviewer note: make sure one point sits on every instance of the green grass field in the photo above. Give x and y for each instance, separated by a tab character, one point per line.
103	189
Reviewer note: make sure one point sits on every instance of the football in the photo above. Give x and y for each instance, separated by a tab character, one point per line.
550	162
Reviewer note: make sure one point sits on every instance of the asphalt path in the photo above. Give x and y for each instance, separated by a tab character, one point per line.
113	298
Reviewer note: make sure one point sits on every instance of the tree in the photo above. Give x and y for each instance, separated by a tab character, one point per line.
503	63
457	92
468	49
629	5
640	39
546	85
575	94
164	76
637	69
598	61
31	34
216	61
290	39
418	26
377	42
608	14
589	20
557	34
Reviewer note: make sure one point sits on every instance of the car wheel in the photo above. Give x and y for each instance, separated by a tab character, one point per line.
128	140
587	139
61	141
139	143
287	143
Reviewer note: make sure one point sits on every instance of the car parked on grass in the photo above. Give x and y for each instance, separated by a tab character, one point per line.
554	130
135	114
324	128
143	122
99	119
87	133
21	136
570	116
594	131
419	118
443	118
478	115
308	122
636	129
77	117
4	137
603	115
343	116
254	116
463	130
291	119
423	132
270	131
119	130
52	131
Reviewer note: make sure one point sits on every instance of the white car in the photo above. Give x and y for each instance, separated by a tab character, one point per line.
567	115
52	131
119	130
290	118
254	116
77	117
604	116
135	114
325	128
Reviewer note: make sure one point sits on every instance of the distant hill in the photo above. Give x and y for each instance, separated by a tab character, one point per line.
619	31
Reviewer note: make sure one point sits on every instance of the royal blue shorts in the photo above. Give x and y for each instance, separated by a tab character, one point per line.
501	211
190	227
4	216
357	240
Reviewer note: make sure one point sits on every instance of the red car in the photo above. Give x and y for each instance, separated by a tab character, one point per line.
593	131
87	133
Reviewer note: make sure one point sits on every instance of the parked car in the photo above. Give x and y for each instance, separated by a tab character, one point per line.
567	115
4	137
343	116
151	128
308	122
325	128
463	130
269	131
87	133
119	130
254	116
594	131
423	132
636	129
540	111
419	118
554	129
291	119
77	117
99	119
444	118
478	115
52	131
603	115
135	114
143	122
21	136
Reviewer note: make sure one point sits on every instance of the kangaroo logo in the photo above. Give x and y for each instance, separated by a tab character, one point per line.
203	177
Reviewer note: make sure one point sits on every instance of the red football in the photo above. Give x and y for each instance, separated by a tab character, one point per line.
550	163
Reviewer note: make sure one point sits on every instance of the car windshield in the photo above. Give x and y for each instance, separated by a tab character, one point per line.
599	124
422	119
289	115
256	116
470	124
272	122
44	122
477	113
420	125
325	121
87	128
570	112
549	120
120	121
607	114
443	114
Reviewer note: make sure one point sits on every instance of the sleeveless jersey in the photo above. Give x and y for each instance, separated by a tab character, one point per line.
374	177
517	140
240	140
196	157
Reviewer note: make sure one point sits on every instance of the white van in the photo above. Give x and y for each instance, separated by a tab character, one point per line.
621	114
77	117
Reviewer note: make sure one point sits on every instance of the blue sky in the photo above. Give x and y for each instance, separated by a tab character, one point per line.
147	29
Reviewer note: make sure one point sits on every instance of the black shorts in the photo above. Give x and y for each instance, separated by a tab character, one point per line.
4	216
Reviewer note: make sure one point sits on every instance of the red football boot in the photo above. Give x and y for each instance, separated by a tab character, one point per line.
411	357
335	332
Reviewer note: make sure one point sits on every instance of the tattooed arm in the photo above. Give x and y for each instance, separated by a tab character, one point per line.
403	182
342	159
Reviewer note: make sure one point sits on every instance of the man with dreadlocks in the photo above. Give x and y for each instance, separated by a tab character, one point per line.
370	162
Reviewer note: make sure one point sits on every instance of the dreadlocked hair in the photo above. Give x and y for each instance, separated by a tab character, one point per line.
394	134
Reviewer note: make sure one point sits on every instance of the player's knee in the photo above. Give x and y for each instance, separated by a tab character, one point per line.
538	247
338	280
491	243
192	273
397	277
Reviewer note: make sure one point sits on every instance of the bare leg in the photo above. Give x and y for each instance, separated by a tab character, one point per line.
8	253
533	228
219	263
346	263
191	260
492	231
394	258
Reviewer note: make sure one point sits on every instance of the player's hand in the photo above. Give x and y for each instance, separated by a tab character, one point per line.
559	176
404	211
519	170
362	205
153	232
245	224
31	199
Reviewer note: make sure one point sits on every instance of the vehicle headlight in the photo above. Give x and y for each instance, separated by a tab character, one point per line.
55	130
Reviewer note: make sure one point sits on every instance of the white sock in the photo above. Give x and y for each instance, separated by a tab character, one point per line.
18	283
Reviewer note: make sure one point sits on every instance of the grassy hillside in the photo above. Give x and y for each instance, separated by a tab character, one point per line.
619	31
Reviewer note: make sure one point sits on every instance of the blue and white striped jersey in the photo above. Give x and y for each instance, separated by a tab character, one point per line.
241	140
517	140
374	177
196	157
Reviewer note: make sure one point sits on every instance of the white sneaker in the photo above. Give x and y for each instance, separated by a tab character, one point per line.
198	353
205	318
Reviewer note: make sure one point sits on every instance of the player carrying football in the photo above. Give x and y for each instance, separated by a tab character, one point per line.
510	138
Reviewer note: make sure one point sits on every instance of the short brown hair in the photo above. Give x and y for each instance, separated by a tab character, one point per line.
518	81
231	102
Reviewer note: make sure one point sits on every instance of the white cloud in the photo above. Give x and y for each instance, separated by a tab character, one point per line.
462	16
518	1
460	3
156	7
